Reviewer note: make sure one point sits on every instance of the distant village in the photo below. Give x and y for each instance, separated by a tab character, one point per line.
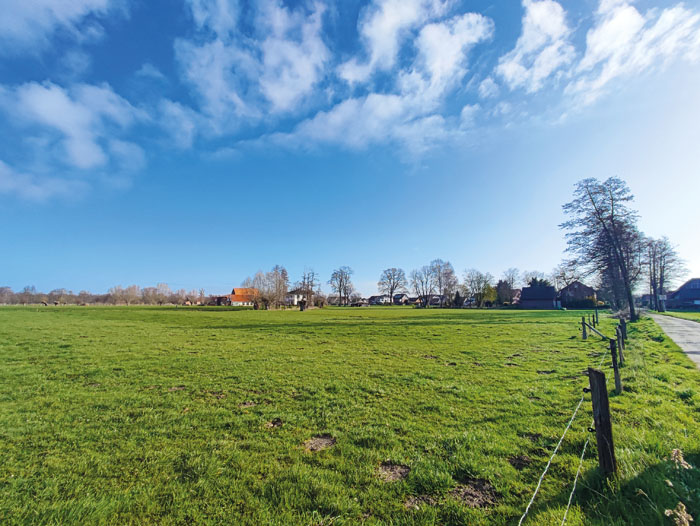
538	295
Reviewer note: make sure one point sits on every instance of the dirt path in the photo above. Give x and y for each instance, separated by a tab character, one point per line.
685	333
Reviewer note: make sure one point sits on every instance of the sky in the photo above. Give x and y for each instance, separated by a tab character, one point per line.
195	142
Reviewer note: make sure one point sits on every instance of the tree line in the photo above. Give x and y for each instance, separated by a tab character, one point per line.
604	242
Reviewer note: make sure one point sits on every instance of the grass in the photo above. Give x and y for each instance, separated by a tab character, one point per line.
144	415
687	315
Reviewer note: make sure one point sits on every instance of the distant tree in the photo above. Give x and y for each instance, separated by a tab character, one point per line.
477	285
504	292
538	282
132	294
512	278
603	234
446	282
341	284
423	283
458	299
662	267
392	281
309	287
565	274
163	293
6	295
529	275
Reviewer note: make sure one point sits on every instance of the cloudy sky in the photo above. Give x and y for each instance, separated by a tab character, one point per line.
196	142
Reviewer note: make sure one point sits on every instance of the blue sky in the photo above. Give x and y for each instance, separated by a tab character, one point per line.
195	142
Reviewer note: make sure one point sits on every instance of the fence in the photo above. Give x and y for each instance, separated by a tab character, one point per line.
601	422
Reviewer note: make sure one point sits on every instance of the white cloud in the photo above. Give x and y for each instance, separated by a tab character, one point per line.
625	42
488	88
383	26
541	49
291	66
442	49
28	26
180	122
81	116
35	188
241	78
220	16
148	70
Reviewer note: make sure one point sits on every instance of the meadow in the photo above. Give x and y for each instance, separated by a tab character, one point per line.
149	415
687	315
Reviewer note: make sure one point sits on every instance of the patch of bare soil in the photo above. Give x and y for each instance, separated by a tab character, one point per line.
511	364
515	355
533	437
520	462
247	403
219	395
451	364
552	371
390	472
430	357
475	493
151	387
477	364
319	442
416	502
275	422
176	388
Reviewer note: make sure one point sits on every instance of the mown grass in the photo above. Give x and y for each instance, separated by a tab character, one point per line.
687	315
138	416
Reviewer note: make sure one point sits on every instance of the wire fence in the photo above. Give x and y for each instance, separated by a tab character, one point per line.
561	440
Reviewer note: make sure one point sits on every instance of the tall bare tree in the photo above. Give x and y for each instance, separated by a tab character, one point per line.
663	266
602	232
445	279
391	281
341	284
423	283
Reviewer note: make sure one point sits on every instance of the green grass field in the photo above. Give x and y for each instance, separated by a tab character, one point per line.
688	315
145	415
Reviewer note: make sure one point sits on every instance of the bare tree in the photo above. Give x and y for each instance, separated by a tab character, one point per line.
391	281
512	277
663	267
423	283
565	274
478	285
602	232
341	284
445	279
308	286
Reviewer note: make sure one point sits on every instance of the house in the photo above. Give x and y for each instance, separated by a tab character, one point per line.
383	299
414	300
436	299
686	297
401	299
539	298
243	297
576	294
294	297
362	302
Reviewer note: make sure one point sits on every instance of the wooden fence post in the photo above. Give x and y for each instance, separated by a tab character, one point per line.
620	345
623	325
583	327
597	321
601	419
616	368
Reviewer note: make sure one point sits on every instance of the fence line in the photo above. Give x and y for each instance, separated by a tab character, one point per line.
556	450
